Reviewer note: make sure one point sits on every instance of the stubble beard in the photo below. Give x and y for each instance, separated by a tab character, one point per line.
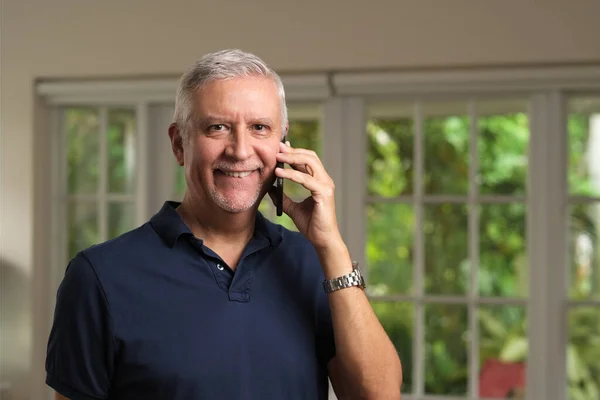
235	205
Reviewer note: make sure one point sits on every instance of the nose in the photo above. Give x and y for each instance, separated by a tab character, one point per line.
239	147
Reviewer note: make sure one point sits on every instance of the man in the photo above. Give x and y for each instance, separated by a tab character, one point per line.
209	300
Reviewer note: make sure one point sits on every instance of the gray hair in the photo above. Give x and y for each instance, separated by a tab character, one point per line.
224	64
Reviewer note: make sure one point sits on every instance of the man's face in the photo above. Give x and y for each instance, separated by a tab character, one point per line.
229	158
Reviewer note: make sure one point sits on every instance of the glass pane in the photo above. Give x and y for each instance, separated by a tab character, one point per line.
390	156
121	137
503	349
583	354
267	209
398	321
121	218
503	152
82	128
180	184
389	248
584	146
446	133
446	349
286	222
503	267
447	269
584	250
303	134
83	226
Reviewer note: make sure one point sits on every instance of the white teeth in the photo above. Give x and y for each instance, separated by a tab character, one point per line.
237	174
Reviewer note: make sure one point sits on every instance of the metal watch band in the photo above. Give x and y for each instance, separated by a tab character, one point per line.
354	278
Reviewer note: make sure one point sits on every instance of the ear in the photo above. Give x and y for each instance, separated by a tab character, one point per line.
286	130
176	143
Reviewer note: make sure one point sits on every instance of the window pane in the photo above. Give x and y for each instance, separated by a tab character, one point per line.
503	147
584	250
389	248
83	226
180	184
390	156
584	146
121	136
303	134
583	354
398	321
502	258
503	349
121	218
285	221
446	133
447	269
266	208
82	132
445	349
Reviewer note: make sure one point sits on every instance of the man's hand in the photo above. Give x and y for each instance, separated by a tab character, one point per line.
315	216
366	364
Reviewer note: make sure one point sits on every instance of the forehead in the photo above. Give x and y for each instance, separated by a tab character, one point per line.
254	96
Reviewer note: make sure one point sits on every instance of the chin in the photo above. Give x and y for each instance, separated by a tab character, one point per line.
235	205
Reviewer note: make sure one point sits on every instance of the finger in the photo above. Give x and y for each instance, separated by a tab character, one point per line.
286	148
307	181
302	162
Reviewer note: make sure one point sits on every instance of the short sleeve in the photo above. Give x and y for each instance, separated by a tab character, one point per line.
325	338
80	353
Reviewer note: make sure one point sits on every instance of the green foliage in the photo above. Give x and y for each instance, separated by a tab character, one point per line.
502	146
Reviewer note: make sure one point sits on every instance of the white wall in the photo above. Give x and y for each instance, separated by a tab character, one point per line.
111	38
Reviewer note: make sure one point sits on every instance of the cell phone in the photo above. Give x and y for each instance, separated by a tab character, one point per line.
279	188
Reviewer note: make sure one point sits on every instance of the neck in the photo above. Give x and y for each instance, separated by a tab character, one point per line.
215	226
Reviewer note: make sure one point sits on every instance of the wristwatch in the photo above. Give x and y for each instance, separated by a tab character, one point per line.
354	278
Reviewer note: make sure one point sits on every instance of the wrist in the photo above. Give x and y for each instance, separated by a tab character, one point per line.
335	259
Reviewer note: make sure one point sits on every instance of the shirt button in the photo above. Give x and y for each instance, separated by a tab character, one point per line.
220	267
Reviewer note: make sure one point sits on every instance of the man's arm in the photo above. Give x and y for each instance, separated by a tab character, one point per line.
80	354
366	364
58	396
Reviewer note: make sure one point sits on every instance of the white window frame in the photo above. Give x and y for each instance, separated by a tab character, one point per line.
547	89
344	153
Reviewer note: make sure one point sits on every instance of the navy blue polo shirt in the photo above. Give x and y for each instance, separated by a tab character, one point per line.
155	314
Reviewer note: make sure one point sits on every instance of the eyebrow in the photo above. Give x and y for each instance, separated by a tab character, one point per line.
215	118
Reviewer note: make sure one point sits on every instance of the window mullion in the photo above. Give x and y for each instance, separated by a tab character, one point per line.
161	172
419	260
354	149
102	205
557	245
473	253
142	197
547	246
60	202
333	157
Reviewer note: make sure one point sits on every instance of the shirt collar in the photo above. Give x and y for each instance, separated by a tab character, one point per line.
170	227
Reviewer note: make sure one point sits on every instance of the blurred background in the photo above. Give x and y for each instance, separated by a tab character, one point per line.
463	137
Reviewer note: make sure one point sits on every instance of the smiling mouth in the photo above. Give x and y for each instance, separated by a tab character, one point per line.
240	174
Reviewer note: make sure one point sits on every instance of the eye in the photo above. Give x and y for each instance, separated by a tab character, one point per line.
217	127
260	127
